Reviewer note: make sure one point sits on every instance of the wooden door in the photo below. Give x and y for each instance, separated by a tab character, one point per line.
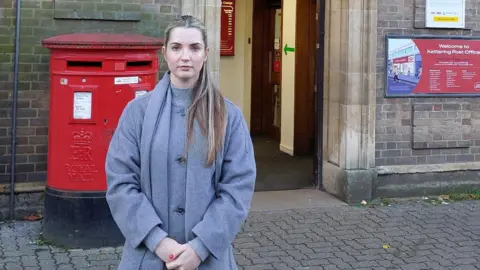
266	69
305	94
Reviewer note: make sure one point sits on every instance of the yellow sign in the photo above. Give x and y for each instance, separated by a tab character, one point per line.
445	13
445	19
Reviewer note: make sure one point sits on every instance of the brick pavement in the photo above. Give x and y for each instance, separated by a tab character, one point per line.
405	236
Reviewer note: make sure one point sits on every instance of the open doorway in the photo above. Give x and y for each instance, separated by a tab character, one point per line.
277	169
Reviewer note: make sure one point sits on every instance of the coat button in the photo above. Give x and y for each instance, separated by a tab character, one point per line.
180	159
181	211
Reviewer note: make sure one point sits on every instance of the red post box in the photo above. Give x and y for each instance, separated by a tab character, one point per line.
92	77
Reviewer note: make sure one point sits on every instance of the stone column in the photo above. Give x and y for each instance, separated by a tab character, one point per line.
350	83
209	12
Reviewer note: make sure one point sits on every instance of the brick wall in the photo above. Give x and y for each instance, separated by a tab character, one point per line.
45	18
423	130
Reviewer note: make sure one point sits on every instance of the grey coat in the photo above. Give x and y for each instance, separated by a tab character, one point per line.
217	197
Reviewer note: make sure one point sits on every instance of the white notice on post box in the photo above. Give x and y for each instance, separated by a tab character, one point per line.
82	105
140	93
126	80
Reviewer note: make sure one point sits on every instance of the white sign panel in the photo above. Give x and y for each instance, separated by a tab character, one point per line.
126	80
82	105
445	13
277	44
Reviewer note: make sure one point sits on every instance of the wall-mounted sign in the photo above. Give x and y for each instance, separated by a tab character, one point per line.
276	44
288	49
445	13
227	28
432	66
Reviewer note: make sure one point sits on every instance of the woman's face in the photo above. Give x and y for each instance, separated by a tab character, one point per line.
185	55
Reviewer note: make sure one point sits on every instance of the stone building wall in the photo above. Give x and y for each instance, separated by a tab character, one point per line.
423	134
46	18
423	130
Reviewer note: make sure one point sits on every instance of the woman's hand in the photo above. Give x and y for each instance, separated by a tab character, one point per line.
188	260
168	250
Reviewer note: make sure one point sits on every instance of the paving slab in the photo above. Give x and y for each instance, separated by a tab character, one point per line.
293	199
409	235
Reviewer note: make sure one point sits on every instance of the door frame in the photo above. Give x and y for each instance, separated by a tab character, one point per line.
258	67
319	83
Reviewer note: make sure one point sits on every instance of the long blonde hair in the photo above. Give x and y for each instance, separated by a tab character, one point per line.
208	106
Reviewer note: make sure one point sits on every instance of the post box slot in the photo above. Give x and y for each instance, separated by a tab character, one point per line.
138	65
84	65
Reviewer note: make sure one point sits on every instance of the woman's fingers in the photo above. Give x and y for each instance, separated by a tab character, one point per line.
176	252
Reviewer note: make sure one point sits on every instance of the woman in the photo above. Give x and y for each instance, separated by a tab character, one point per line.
180	167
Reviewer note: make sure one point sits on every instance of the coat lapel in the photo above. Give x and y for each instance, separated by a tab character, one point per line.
157	115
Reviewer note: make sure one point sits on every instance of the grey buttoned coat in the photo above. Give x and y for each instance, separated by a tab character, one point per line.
218	197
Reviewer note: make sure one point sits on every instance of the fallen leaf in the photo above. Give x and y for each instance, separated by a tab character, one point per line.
385	246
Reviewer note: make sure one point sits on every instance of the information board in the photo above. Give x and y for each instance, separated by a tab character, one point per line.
227	28
432	66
